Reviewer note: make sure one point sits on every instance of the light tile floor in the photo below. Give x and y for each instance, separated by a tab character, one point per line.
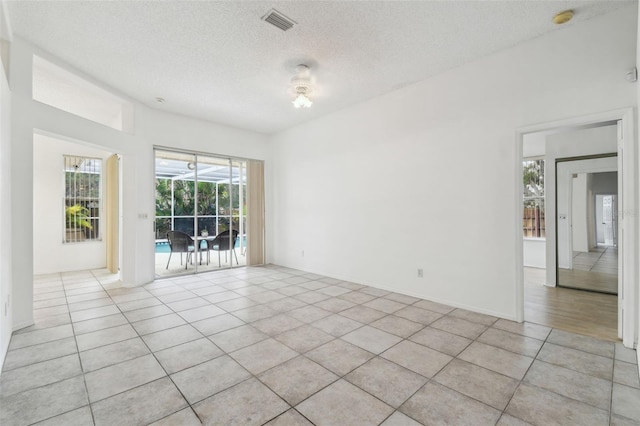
276	346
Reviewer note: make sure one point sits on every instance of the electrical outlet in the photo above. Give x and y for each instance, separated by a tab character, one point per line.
301	253
420	273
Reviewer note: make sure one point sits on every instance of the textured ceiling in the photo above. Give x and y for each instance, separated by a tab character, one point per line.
219	61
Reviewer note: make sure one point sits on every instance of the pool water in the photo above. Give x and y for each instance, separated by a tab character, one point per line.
163	247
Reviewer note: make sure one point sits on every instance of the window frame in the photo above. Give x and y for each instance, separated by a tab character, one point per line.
71	199
538	201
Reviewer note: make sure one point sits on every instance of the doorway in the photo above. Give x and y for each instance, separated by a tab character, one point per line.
75	206
620	311
606	223
201	213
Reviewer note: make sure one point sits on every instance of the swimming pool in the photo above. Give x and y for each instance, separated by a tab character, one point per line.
163	246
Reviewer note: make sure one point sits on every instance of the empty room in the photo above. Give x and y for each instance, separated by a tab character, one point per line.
319	213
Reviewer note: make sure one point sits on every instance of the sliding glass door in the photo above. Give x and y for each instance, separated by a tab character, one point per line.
200	218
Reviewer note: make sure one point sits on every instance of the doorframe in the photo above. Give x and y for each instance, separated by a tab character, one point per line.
627	237
118	237
614	222
231	159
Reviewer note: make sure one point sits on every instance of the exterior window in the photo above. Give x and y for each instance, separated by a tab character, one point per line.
82	198
533	223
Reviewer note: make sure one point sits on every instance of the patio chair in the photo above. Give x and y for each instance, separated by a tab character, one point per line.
179	242
222	242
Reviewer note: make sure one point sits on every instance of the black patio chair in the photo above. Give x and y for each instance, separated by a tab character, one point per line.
222	242
180	242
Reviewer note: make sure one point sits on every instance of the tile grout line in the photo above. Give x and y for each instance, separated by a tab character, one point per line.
62	380
343	377
251	375
333	337
152	353
298	355
225	353
157	361
453	358
269	336
84	380
522	380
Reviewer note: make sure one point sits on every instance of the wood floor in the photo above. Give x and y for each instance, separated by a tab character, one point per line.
591	314
596	270
588	280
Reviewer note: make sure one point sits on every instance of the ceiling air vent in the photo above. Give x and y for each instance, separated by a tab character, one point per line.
277	19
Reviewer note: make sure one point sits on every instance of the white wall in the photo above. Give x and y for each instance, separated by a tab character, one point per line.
533	144
425	176
50	254
635	208
151	127
579	230
572	143
534	252
6	315
64	90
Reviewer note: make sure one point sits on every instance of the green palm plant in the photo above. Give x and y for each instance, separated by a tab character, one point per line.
77	217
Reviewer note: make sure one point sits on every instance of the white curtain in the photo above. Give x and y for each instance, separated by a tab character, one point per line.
112	213
255	213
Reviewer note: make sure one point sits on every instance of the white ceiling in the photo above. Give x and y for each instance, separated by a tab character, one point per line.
217	60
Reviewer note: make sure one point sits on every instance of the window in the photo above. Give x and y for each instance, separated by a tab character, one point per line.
533	223
82	198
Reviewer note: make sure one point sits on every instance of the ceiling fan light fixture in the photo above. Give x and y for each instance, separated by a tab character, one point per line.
302	101
301	87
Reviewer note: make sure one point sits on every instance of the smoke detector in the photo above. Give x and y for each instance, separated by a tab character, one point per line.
563	17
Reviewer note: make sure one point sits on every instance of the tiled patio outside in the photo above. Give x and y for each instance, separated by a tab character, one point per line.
270	345
166	268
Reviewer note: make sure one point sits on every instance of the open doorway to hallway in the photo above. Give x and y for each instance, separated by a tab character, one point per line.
583	312
563	263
